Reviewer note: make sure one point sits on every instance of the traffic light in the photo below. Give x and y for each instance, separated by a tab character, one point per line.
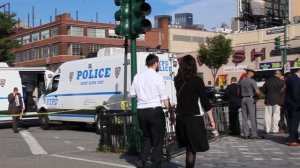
139	24
277	43
123	16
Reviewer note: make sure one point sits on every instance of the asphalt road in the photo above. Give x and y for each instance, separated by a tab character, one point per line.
75	147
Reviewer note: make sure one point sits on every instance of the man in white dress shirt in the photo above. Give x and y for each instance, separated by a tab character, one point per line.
150	90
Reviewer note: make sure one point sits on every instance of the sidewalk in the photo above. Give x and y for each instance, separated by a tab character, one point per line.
235	152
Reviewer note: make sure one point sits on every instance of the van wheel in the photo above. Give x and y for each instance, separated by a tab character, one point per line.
98	123
44	119
82	125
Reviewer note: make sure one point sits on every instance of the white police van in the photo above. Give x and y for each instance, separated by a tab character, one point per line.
30	81
79	87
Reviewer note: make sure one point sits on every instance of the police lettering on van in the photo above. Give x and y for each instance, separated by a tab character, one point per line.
94	73
97	73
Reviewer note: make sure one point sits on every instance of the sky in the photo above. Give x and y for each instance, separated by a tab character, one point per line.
211	13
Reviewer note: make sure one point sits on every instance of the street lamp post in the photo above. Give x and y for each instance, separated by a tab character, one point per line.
285	44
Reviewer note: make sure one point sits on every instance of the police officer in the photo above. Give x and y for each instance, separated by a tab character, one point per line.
248	90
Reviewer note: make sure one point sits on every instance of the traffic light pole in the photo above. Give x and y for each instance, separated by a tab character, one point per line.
133	100
133	71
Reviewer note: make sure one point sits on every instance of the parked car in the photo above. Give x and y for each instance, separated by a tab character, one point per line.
214	94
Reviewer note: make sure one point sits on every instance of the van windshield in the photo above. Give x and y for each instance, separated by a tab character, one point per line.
53	84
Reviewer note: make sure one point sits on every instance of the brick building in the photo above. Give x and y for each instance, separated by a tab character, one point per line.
66	39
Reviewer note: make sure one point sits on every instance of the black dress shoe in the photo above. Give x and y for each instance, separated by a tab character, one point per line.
293	144
257	137
245	137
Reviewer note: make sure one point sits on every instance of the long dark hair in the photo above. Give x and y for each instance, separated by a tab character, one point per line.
187	68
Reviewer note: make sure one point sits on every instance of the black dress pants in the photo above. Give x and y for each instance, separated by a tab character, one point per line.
295	121
152	123
234	122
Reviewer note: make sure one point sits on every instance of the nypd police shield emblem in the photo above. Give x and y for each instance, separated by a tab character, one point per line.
117	71
71	75
2	82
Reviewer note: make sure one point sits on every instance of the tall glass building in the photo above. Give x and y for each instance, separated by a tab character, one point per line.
184	19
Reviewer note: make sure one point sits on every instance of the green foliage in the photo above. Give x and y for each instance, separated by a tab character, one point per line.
215	53
7	23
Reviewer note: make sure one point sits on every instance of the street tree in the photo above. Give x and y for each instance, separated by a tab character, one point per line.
7	24
215	53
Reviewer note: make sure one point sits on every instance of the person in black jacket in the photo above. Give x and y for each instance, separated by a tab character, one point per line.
15	107
292	102
190	128
232	94
272	89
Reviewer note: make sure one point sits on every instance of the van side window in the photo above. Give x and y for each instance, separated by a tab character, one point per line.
53	86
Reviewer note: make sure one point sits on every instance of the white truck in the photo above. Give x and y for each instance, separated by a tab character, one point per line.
30	81
79	87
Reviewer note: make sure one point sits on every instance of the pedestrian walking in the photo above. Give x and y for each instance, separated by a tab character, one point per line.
284	108
190	127
232	93
150	90
248	90
292	101
273	91
15	107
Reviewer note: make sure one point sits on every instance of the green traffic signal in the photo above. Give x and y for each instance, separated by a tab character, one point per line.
123	16
277	43
139	24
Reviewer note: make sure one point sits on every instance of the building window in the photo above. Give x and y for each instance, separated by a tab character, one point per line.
45	34
96	33
26	39
75	31
93	48
35	53
112	34
19	40
26	55
45	52
54	50
141	37
35	37
18	57
54	31
75	49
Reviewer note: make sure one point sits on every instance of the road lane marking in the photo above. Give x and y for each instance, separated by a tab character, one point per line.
68	142
80	148
249	153
295	153
276	159
94	161
33	144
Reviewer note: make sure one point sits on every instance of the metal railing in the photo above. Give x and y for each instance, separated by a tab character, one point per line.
118	134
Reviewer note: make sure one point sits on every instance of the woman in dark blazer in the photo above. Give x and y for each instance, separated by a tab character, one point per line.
190	127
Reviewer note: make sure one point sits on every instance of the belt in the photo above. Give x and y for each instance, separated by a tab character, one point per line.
248	96
151	108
